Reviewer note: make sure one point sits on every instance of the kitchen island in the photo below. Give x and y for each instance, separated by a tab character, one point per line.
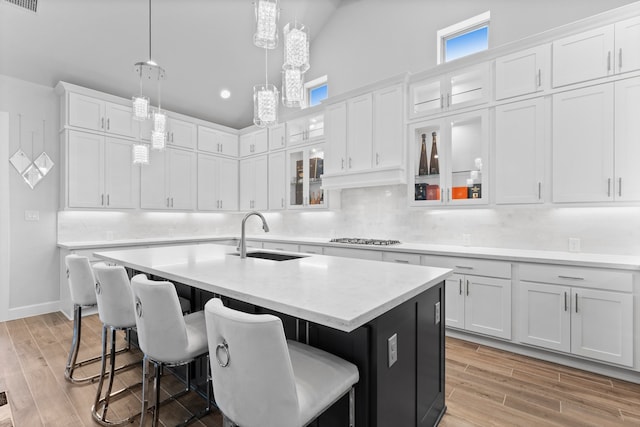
385	318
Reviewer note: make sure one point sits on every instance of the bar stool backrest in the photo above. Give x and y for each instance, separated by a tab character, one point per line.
257	385
161	328
81	280
113	293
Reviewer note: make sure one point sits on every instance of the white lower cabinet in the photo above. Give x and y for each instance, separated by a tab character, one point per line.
479	304
477	295
587	322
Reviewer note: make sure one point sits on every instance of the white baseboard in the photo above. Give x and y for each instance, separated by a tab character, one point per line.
33	310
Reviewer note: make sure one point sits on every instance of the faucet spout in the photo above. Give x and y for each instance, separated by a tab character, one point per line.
242	246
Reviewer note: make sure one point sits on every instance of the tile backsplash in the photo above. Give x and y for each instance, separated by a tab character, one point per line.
383	212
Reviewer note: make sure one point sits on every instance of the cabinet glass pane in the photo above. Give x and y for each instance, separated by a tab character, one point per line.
427	163
296	180
466	159
467	87
427	97
315	197
306	129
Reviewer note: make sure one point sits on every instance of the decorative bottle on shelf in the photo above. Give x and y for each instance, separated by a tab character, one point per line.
423	168
435	168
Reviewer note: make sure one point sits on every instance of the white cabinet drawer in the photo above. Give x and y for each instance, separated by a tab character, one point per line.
401	258
477	267
353	253
290	247
578	276
311	249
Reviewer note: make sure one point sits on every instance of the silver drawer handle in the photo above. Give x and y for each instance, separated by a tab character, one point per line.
571	277
402	261
465	267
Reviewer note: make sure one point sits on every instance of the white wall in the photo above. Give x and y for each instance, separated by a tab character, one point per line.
4	215
366	41
33	269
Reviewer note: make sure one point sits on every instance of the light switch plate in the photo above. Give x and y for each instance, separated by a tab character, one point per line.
392	347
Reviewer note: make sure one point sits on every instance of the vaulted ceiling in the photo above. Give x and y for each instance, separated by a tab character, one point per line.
204	46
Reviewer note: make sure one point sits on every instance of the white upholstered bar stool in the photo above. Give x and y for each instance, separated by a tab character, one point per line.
261	380
82	289
116	311
166	337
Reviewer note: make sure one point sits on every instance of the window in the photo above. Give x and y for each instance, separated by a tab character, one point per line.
316	91
464	38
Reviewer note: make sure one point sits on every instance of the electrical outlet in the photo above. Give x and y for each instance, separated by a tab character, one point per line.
392	348
574	244
466	239
31	215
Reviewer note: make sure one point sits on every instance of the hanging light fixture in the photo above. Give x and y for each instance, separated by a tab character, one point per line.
296	47
265	101
146	70
159	132
140	154
267	13
292	88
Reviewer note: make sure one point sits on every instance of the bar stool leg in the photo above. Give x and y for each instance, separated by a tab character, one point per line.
145	389
75	342
156	392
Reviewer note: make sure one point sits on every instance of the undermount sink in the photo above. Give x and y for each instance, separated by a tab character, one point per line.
271	256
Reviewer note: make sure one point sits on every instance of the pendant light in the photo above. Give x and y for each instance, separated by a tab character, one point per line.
267	13
265	101
148	70
296	63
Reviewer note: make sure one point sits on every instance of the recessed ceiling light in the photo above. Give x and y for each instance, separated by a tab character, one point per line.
224	93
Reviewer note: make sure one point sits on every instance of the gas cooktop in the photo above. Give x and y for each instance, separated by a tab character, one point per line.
361	241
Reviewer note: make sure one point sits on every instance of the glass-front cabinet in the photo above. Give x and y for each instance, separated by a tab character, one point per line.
304	170
305	130
449	160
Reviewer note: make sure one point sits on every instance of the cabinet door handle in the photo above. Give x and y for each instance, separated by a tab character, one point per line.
342	167
539	77
221	204
539	191
467	287
609	187
102	200
620	59
576	302
172	202
108	122
102	123
460	287
167	202
620	187
282	202
565	302
108	201
377	158
282	141
608	61
448	100
448	195
441	100
349	162
571	277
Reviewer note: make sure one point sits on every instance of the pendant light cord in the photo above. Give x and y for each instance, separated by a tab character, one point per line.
150	31
266	78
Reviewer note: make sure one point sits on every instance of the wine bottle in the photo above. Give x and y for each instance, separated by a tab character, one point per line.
423	168
435	168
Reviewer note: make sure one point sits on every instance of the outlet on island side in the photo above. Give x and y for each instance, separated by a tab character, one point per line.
392	349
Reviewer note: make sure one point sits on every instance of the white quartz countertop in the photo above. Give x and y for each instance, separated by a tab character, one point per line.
625	262
341	293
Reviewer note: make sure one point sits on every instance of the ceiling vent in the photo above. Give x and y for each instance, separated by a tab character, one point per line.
31	5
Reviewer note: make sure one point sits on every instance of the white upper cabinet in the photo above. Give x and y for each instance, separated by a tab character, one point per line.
217	183
254	143
627	45
277	180
277	136
520	141
254	186
359	133
463	88
523	72
597	53
216	141
168	181
305	130
595	152
95	114
336	135
181	133
100	171
388	123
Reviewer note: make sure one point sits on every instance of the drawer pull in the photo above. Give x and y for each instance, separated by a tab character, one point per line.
576	302
402	261
464	267
571	278
565	301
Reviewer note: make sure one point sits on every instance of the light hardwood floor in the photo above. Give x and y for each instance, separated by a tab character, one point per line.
484	386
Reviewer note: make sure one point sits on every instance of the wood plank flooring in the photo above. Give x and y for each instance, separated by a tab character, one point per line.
484	386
